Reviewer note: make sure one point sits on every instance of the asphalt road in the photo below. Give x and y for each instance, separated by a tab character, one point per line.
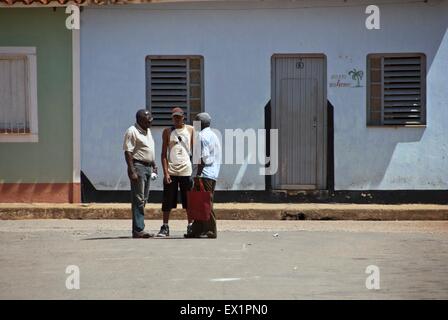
249	260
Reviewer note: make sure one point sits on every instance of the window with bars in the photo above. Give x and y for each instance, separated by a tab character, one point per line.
396	90
174	81
18	94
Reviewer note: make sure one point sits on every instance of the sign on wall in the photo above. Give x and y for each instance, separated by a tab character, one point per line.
350	79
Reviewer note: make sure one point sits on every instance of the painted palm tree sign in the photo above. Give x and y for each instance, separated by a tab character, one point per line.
357	76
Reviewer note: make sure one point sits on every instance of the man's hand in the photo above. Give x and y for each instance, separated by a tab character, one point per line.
132	175
167	179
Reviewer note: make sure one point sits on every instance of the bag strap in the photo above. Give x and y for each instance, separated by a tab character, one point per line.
181	141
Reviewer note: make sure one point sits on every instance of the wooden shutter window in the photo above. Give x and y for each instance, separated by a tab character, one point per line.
375	86
396	91
173	81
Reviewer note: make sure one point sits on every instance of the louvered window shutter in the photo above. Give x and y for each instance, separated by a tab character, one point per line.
173	81
396	91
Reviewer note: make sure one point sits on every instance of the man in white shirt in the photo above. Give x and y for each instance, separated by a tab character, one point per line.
208	172
138	149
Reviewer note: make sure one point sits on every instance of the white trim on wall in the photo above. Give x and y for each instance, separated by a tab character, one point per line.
13	137
32	73
76	58
31	61
18	50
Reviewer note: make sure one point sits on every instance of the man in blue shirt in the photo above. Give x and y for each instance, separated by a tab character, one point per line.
208	171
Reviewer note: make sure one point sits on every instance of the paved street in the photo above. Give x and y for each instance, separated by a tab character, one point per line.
249	260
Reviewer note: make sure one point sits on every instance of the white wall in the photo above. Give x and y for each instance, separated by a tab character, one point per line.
237	42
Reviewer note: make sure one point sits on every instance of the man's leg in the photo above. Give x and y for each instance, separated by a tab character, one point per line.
210	226
169	202
166	216
147	184
169	198
138	200
185	185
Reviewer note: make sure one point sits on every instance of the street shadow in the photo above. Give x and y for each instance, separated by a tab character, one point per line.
170	238
130	237
109	238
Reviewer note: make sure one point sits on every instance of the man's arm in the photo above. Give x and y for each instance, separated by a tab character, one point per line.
165	141
205	155
154	166
130	162
128	146
200	167
193	132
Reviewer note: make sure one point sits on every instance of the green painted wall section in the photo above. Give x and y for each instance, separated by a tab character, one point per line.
49	160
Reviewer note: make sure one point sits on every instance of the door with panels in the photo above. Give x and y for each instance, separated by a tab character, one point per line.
299	112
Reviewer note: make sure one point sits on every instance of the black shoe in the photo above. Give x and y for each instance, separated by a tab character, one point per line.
142	234
164	231
189	233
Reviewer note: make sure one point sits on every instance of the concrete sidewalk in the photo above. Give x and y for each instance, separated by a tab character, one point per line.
231	211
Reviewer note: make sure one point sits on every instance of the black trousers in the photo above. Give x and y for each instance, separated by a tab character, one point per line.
170	192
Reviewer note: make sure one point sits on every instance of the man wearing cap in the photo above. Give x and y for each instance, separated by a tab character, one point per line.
177	168
208	171
138	149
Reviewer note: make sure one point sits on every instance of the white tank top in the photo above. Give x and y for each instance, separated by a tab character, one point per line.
179	150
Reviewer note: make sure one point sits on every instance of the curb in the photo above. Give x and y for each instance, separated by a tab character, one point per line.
233	212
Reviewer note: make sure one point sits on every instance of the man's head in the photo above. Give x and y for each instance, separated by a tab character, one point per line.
205	119
144	118
178	117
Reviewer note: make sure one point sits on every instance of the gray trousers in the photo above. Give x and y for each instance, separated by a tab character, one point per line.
139	196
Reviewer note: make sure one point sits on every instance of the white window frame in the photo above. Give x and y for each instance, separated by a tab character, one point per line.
30	54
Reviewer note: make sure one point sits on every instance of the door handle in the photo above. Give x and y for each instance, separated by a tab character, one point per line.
315	122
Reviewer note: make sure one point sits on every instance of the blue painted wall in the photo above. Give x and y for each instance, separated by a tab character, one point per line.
237	42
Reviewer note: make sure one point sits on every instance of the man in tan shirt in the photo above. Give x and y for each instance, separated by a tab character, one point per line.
177	149
138	149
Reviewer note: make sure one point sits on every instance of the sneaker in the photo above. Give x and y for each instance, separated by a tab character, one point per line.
142	235
211	235
189	233
164	231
